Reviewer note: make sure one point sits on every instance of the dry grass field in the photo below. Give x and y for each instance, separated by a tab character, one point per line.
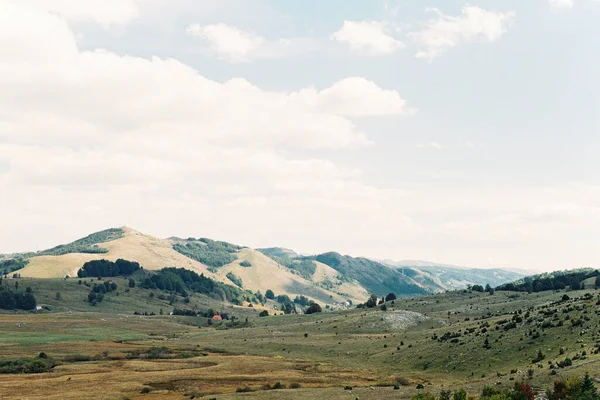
106	352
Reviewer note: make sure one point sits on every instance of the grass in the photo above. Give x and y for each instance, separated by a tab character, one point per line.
321	353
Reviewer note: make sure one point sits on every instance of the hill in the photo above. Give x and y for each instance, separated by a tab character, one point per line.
450	277
329	278
447	341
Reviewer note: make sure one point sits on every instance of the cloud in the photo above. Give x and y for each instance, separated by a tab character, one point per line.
227	41
559	5
370	37
474	24
104	12
117	139
355	97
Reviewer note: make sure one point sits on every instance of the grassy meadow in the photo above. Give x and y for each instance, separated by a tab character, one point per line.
452	340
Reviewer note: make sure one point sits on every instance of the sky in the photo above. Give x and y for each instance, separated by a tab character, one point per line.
463	133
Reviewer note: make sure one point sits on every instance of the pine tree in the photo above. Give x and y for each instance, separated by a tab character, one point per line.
588	387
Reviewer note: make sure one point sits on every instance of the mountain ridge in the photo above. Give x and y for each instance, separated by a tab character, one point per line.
329	278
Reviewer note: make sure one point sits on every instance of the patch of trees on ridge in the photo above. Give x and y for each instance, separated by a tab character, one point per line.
105	268
11	265
181	281
87	244
553	281
209	252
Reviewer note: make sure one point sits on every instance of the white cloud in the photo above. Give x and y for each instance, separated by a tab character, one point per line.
116	139
355	97
104	12
228	41
446	32
558	5
371	37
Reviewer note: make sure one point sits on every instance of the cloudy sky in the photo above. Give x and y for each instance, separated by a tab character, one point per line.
465	133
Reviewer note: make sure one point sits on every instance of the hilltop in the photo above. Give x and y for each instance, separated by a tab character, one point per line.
329	278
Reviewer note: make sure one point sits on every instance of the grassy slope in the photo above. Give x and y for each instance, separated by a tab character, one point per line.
265	274
153	254
356	347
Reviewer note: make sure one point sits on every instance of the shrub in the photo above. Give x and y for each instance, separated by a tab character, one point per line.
77	358
390	297
263	313
314	308
246	264
295	385
460	395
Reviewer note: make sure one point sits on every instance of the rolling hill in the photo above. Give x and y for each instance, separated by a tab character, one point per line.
328	278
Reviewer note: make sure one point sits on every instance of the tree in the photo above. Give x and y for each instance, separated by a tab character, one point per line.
131	282
7	300
27	302
17	285
588	387
488	288
269	294
477	288
57	296
390	297
263	313
314	308
598	281
372	302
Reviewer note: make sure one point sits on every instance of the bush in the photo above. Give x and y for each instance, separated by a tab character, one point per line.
77	358
269	294
314	308
295	385
246	264
263	313
245	389
26	366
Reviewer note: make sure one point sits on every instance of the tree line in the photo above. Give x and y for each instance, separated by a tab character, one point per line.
105	268
16	300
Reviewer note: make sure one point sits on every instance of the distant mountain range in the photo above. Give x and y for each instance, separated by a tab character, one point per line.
328	278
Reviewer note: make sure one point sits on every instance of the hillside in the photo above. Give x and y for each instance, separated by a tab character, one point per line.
328	278
447	341
219	259
450	277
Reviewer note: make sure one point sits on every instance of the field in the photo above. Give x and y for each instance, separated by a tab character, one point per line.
439	341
